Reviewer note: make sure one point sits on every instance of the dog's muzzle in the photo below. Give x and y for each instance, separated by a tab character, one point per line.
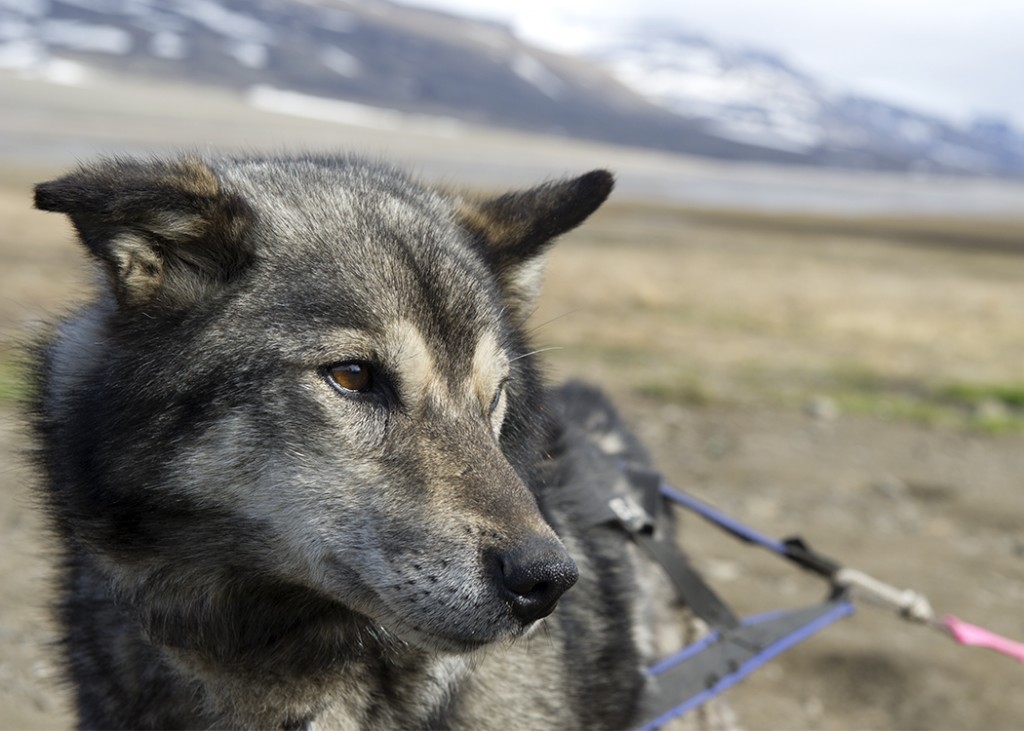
533	576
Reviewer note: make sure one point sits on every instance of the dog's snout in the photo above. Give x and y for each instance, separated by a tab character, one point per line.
533	577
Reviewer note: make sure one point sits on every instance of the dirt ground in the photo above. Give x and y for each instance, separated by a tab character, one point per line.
852	382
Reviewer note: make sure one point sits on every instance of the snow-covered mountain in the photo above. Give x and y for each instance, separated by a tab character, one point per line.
756	97
648	86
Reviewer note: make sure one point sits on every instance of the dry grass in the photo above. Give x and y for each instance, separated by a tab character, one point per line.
882	316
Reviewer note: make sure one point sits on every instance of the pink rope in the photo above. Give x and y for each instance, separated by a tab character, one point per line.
969	634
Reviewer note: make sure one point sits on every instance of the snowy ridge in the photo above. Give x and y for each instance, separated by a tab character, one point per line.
756	97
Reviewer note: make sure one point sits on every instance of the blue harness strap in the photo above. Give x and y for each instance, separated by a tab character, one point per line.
794	549
723	521
712	665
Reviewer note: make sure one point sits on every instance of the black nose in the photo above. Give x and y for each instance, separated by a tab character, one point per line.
533	576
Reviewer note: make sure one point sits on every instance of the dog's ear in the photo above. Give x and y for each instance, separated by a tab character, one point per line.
160	228
516	229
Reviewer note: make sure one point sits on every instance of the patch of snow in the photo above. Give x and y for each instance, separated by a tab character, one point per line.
561	32
166	44
64	72
696	60
78	36
219	19
280	101
700	77
327	110
339	61
756	135
533	71
32	58
250	55
23	55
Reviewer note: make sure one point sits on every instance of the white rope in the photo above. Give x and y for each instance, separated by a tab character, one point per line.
912	605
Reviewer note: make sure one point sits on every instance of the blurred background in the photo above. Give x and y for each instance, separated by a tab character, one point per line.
807	291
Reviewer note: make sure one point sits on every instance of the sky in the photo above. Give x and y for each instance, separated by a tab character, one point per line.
957	58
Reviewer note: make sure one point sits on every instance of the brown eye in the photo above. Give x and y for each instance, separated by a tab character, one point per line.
351	376
497	397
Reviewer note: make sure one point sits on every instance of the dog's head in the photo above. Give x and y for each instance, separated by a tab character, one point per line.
313	371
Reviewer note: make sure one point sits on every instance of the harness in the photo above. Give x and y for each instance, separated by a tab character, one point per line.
735	647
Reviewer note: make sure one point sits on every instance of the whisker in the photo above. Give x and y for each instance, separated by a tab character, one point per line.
534	352
556	318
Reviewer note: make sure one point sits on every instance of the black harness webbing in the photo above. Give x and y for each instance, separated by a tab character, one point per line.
658	542
641	514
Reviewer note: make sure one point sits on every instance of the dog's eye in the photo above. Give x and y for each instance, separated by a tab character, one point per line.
497	398
351	376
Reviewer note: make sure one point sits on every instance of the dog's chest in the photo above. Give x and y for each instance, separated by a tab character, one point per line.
407	694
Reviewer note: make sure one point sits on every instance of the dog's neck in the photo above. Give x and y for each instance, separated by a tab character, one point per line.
333	669
365	693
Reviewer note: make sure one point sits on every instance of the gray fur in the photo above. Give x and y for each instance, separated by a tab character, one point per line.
247	545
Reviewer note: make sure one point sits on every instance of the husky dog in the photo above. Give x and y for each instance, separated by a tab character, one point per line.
304	470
